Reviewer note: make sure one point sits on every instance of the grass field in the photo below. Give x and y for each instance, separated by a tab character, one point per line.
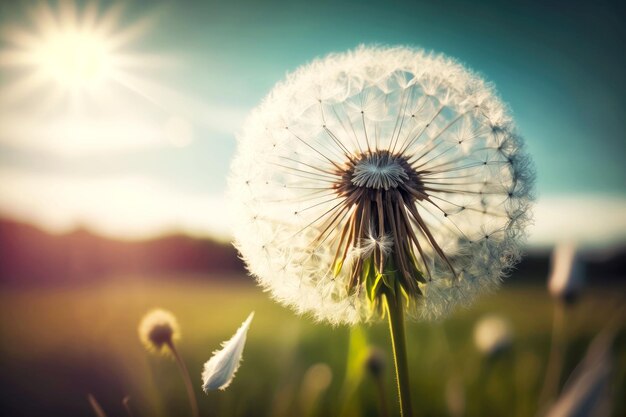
59	344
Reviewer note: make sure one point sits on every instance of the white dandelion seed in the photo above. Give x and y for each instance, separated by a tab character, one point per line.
380	163
220	370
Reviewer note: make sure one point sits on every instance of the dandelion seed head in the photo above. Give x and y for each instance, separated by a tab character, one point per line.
374	163
567	275
316	379
376	362
492	334
157	329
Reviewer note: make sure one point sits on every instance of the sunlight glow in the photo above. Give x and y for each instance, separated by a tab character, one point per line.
77	50
127	207
74	82
75	59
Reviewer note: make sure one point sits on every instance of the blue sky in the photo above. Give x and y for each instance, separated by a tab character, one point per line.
559	66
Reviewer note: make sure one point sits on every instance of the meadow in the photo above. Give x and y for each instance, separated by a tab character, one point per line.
61	343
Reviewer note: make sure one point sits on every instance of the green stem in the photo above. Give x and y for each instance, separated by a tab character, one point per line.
395	313
382	398
555	362
186	378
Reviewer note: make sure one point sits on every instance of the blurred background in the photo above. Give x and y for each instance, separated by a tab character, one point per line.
117	124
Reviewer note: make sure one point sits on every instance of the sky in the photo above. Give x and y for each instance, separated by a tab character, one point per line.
122	117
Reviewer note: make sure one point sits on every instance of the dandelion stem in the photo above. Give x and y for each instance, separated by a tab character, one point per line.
382	398
97	408
126	404
186	378
555	361
395	314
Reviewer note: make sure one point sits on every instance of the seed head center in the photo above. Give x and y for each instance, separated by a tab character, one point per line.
379	170
383	189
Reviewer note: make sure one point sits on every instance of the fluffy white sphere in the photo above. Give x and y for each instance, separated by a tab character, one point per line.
379	156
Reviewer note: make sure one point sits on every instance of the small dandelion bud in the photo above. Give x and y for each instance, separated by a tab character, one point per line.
376	362
492	335
157	330
379	173
567	274
317	378
315	381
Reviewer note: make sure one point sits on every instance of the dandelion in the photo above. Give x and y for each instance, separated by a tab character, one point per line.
373	161
381	180
564	285
492	335
315	381
567	275
158	330
219	371
375	363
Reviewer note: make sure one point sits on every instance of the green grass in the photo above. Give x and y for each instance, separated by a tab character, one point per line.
59	344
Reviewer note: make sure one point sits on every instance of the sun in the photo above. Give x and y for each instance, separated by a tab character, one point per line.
70	49
78	80
75	59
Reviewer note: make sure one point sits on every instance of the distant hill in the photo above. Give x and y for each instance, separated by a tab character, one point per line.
30	255
602	265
